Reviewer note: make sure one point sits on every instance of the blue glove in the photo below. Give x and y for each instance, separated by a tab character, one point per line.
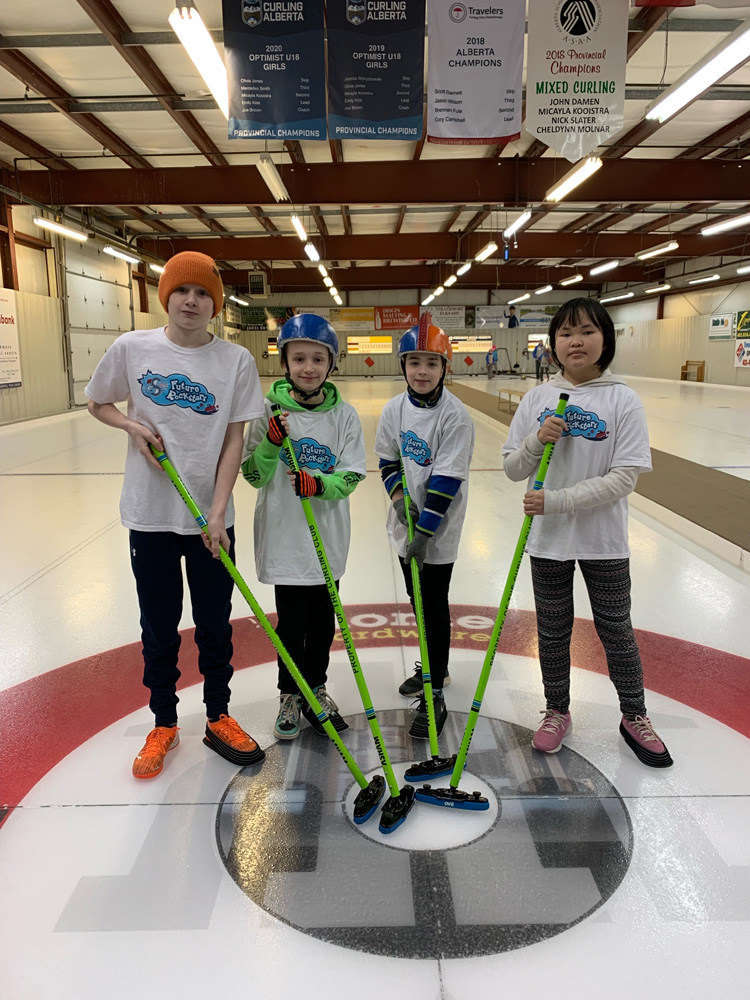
417	549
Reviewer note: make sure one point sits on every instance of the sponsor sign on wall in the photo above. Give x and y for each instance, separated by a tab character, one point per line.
742	354
369	345
490	317
345	319
396	317
475	68
540	316
447	317
270	318
10	358
720	326
274	56
375	69
742	324
575	73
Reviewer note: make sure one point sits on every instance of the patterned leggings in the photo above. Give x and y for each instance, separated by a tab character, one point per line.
608	584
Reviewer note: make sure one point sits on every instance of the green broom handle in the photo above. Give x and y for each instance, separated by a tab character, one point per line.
229	566
338	610
515	566
416	587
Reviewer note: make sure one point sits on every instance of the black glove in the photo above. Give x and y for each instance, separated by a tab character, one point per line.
275	432
400	507
417	548
306	485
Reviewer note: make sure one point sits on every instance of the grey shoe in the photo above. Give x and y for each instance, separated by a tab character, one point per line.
413	685
331	709
287	721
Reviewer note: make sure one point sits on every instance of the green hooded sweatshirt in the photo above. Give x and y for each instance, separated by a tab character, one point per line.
260	467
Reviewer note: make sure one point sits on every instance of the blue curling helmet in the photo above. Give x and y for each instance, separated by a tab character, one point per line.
307	326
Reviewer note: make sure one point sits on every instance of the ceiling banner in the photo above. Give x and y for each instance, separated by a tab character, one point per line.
376	69
575	73
475	67
274	56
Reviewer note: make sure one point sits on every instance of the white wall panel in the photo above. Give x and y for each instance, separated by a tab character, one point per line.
40	341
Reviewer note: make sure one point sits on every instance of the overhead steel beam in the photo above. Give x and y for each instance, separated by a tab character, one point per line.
287	279
724	136
448	246
511	182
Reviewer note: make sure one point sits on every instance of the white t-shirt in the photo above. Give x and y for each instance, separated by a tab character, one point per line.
431	441
607	430
187	395
324	441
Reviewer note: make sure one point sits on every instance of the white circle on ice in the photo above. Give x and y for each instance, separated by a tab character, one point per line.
428	827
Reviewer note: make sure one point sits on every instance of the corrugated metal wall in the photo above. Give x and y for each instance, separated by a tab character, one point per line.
40	341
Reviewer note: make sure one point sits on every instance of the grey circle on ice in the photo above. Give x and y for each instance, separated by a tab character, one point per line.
559	846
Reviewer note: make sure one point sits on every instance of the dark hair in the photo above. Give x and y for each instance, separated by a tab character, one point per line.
592	310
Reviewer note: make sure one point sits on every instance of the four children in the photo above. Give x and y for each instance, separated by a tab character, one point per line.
191	393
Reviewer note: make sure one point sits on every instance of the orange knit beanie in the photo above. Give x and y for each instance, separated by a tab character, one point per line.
191	268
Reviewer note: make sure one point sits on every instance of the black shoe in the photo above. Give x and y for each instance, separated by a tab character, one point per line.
413	685
331	708
420	725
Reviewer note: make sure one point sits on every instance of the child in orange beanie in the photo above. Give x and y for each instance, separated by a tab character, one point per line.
189	393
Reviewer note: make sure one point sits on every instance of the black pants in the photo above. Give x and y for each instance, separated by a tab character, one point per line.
306	626
155	557
538	365
608	584
435	581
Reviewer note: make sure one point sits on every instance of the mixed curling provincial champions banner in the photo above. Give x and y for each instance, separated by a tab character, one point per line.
274	56
575	73
375	69
475	71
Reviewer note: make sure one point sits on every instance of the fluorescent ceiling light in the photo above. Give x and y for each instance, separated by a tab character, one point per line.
339	301
720	227
486	252
617	298
600	268
328	282
700	281
311	252
450	281
439	290
573	280
655	251
322	269
114	252
580	172
57	227
542	291
426	302
156	268
333	291
743	270
189	27
464	268
730	53
515	226
271	176
658	288
521	298
300	229
240	302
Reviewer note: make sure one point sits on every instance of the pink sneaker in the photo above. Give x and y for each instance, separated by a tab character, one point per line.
551	731
640	736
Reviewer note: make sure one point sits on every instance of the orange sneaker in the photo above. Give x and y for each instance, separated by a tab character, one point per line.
159	742
229	740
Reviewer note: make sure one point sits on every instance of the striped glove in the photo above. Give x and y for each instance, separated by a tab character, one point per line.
276	432
306	485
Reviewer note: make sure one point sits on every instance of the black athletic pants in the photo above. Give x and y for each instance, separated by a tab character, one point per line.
608	584
435	581
156	557
306	626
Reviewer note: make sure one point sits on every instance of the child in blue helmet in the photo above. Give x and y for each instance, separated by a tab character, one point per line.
432	434
327	438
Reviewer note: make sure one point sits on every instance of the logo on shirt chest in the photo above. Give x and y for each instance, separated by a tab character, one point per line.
415	448
178	390
581	423
311	454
